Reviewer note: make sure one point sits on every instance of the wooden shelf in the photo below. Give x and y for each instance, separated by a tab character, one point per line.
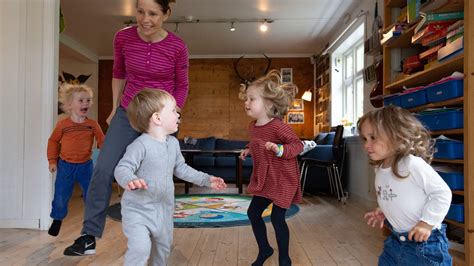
460	161
448	103
458	224
396	3
430	75
458	192
457	131
404	40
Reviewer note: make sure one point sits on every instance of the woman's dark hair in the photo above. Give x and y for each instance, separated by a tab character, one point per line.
165	5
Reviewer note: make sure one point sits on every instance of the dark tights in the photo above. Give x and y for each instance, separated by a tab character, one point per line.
256	208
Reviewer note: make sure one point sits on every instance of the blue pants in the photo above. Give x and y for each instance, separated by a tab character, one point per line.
398	250
68	174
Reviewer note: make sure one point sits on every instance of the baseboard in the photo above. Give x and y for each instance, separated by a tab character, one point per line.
17	223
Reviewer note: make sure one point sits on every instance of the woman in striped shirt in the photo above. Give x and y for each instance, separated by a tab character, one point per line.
274	147
145	55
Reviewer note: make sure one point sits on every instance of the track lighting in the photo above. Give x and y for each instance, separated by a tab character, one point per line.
190	19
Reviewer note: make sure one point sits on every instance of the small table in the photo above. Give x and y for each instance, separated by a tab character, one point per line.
189	156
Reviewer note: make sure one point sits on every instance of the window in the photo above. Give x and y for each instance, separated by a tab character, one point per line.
353	84
347	83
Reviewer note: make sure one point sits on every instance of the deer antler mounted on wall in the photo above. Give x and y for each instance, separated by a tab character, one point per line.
249	77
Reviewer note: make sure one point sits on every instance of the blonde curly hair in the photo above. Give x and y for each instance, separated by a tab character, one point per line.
405	133
66	94
274	91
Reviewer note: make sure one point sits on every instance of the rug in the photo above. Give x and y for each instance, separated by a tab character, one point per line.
210	210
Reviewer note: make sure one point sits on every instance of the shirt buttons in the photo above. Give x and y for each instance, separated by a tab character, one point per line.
149	53
147	62
403	238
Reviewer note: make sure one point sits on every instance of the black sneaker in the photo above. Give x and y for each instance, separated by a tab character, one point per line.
54	228
84	245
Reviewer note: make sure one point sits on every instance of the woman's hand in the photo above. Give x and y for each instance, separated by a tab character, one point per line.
138	183
110	116
244	153
375	217
217	183
421	232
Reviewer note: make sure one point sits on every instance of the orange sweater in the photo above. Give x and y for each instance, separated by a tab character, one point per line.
72	142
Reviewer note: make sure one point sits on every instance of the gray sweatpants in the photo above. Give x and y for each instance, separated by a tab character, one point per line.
119	135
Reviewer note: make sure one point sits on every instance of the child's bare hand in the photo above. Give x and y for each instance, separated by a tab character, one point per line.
138	183
421	232
270	146
375	217
217	183
52	168
244	153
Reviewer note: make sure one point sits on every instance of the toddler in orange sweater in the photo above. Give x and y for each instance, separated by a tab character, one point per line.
70	148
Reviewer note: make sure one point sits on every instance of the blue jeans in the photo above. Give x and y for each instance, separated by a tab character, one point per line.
398	250
68	174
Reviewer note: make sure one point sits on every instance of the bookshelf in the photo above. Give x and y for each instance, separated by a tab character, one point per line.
322	92
463	63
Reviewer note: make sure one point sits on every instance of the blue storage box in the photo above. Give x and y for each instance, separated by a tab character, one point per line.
449	149
456	212
445	91
442	120
394	100
455	180
413	99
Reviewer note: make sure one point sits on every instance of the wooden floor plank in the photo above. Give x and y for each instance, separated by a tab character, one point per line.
324	232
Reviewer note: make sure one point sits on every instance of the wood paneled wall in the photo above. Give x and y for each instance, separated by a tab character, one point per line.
213	107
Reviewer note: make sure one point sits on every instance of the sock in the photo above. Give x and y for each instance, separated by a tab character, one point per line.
308	145
262	257
54	228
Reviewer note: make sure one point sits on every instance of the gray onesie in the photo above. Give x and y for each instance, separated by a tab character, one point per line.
147	215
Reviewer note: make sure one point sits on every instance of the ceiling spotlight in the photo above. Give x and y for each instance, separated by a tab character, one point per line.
263	27
232	28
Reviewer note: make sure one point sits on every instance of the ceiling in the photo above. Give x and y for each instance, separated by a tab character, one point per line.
299	28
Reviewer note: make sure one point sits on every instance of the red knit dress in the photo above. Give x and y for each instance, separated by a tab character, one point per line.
275	178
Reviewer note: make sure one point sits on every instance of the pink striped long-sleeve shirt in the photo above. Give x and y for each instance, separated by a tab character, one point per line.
162	65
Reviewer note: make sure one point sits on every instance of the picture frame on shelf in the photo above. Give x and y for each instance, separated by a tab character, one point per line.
297	105
295	118
286	75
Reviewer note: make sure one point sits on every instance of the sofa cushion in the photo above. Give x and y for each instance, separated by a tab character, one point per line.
203	160
208	143
228	161
325	138
223	144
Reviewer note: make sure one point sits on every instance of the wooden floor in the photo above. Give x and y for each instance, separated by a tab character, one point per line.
324	232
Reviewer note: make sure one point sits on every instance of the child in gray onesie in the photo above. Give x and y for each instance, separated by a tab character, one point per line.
146	173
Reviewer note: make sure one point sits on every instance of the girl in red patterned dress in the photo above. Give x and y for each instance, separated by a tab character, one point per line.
274	147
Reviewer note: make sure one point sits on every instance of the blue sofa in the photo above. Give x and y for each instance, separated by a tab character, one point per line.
219	165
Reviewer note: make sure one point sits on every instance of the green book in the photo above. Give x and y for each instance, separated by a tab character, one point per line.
431	17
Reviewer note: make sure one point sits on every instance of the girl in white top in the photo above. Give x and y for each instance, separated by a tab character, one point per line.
413	199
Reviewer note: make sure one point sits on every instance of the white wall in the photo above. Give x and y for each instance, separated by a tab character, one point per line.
28	83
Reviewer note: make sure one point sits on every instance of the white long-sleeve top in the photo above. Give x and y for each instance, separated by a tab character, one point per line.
422	195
